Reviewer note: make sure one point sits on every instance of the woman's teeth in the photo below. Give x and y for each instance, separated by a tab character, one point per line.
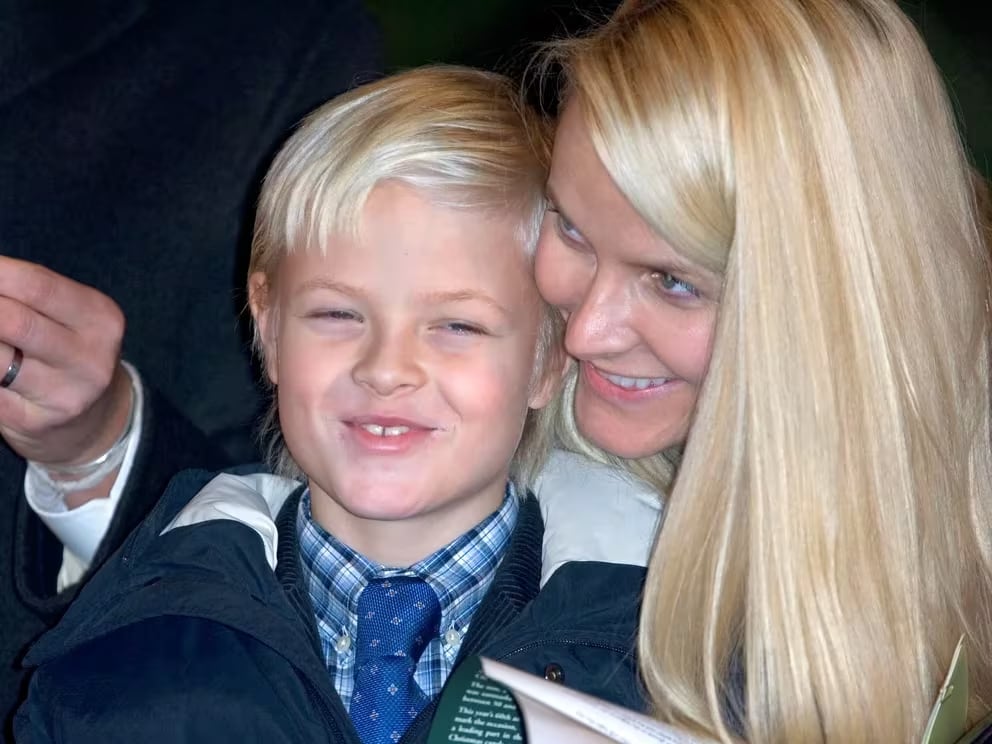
636	383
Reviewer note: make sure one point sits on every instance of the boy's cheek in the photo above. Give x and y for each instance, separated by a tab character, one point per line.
302	374
496	396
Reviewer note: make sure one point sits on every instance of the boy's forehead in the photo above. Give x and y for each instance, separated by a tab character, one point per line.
406	239
397	212
479	207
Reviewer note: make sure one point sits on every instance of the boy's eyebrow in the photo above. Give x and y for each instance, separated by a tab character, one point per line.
428	298
462	295
323	282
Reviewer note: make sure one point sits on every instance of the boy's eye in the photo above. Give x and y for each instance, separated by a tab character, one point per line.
464	329
671	284
335	314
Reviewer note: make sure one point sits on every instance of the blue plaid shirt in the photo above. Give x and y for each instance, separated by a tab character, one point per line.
460	573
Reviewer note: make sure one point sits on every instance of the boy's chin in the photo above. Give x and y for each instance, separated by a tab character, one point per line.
385	506
390	502
400	523
385	501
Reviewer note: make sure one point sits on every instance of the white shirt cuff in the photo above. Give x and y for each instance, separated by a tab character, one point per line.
82	529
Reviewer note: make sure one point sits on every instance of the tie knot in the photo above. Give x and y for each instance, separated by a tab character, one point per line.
396	617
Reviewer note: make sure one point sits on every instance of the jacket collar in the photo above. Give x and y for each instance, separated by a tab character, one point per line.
516	583
593	512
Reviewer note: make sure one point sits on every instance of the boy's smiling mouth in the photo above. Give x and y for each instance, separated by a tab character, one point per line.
385	431
387	434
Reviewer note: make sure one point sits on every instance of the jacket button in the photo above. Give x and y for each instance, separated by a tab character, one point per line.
554	673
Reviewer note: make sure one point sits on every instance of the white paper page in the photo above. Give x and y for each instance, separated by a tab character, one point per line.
618	724
545	725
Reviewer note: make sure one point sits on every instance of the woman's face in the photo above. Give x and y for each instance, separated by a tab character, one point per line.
640	317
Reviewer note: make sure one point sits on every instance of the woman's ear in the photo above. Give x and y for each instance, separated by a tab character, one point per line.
260	301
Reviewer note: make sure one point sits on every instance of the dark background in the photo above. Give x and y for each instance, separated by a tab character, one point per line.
501	34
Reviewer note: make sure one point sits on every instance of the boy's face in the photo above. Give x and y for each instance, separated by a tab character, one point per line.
404	363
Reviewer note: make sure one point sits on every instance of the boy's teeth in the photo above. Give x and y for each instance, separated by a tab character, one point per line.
635	383
385	431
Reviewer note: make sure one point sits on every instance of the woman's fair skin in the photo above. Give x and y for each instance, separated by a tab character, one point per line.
640	317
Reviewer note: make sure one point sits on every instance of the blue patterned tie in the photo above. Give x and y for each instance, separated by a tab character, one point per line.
397	618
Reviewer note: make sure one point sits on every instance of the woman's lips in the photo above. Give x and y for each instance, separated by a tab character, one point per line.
622	387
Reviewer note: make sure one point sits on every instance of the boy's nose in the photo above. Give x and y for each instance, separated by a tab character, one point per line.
390	365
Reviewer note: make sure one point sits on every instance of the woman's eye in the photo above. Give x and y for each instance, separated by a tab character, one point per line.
671	284
567	230
563	226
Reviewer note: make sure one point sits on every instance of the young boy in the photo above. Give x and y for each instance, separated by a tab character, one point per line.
398	320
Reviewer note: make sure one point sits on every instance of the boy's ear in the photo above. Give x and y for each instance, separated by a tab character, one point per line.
549	378
262	313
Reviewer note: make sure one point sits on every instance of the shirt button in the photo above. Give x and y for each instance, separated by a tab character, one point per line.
451	637
343	643
554	673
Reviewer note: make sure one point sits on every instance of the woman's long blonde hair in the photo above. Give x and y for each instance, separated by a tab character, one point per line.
827	538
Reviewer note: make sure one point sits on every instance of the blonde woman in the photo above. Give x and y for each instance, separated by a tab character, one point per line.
764	237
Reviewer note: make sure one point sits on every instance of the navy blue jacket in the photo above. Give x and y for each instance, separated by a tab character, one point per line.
190	637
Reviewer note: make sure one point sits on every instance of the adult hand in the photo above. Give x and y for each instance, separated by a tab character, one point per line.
71	397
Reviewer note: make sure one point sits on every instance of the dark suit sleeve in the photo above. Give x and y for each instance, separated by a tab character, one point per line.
169	680
168	443
29	602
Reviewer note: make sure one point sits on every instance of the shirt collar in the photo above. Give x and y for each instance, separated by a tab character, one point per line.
460	572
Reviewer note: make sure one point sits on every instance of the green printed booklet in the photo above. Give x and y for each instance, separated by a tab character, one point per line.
486	702
949	716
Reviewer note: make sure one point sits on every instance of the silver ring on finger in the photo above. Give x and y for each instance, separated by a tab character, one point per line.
13	369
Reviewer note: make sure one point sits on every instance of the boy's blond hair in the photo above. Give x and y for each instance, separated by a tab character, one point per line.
462	137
